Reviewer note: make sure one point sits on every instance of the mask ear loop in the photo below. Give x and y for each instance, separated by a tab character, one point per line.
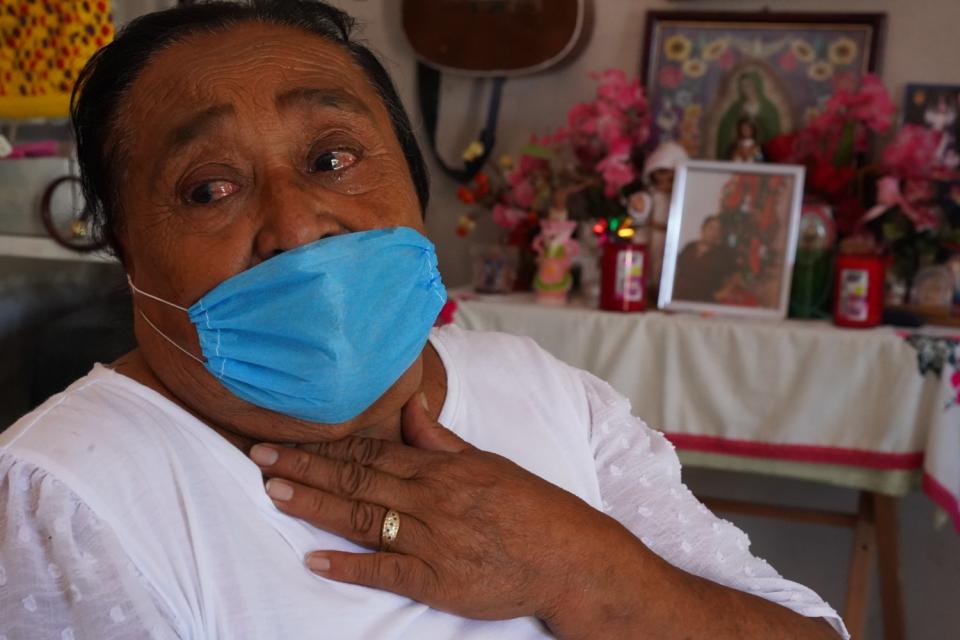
153	326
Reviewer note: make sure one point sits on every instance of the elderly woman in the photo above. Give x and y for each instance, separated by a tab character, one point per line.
257	177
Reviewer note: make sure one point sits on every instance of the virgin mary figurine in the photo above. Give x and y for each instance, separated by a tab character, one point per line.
751	104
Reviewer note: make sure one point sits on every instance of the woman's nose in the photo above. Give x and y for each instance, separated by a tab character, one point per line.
292	215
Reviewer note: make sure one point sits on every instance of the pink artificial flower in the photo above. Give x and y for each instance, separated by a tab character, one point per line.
671	76
913	151
582	117
788	61
873	105
616	169
523	194
530	164
620	148
888	195
507	217
888	191
515	177
610	123
611	82
554	139
924	217
617	91
642	133
918	190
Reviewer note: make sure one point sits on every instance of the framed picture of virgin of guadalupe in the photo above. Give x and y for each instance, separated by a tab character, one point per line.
731	238
706	73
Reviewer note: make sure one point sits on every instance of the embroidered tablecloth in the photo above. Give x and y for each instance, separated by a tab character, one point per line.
864	408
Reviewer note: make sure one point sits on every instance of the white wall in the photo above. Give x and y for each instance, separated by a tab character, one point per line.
921	45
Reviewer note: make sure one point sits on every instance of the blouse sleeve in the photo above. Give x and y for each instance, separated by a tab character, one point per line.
640	485
63	574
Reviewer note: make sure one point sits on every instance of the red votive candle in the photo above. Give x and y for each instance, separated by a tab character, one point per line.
623	284
858	291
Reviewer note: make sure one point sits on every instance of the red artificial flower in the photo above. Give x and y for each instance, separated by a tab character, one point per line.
447	313
830	181
465	195
848	211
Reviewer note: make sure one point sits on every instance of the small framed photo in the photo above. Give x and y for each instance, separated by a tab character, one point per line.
732	238
936	106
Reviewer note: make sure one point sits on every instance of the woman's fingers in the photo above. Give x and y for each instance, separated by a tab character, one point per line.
398	573
394	458
355	520
339	477
423	432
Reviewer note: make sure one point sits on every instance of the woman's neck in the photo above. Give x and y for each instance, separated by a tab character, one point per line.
433	385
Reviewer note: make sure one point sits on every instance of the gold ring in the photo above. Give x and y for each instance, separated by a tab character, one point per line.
390	529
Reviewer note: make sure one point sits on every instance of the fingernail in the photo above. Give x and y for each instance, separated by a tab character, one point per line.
318	563
262	454
279	490
423	401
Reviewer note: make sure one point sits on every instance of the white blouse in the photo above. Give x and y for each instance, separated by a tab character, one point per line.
122	516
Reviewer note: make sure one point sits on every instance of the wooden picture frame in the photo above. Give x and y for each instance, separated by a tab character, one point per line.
697	67
732	238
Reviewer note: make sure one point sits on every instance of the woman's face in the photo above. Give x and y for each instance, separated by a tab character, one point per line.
237	146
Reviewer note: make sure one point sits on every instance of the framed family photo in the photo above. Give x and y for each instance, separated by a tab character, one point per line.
731	238
937	107
706	71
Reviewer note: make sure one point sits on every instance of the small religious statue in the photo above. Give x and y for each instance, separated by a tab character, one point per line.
555	249
649	205
746	148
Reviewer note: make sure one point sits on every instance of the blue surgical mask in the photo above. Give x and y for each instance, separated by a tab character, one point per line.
320	332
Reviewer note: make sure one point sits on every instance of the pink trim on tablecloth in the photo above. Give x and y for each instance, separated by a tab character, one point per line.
943	497
798	452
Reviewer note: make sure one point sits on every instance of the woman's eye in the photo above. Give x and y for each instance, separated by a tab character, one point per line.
210	192
334	161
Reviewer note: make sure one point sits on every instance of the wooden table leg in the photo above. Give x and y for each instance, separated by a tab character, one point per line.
888	556
874	531
858	577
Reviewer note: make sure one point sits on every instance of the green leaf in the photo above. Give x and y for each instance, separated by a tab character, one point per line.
537	151
893	231
844	154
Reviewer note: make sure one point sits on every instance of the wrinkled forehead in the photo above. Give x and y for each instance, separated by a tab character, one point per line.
245	66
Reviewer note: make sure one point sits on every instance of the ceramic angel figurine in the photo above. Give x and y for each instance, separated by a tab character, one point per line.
650	207
555	249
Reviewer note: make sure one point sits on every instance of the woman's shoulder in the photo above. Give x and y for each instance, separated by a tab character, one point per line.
494	345
103	423
492	358
101	403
